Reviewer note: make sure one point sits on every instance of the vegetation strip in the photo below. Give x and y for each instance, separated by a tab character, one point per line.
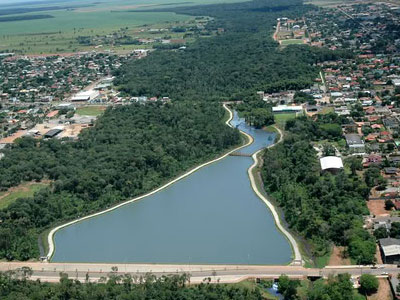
54	230
293	243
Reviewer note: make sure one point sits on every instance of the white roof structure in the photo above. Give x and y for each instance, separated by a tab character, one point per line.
289	108
391	250
331	162
390	246
85	95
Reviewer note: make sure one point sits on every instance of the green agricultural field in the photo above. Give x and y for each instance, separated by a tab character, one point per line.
86	18
90	110
291	42
326	3
25	190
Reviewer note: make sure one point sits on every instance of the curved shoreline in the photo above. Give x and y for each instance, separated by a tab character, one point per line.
297	255
50	237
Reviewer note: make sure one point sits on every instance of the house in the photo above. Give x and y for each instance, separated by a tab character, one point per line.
391	171
390	250
372	159
52	133
52	114
355	143
391	123
394	283
395	159
385	222
331	163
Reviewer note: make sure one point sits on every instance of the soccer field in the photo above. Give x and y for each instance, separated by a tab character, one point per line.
291	42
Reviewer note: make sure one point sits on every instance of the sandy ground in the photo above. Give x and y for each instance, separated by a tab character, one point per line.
10	139
384	292
24	187
73	130
378	255
337	258
275	36
377	207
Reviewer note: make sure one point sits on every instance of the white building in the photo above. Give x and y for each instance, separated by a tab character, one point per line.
85	95
331	163
287	108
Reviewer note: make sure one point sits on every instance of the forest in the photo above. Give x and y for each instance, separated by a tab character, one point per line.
16	285
233	65
130	150
324	208
121	287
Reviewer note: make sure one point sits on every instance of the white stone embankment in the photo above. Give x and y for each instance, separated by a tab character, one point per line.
297	255
50	237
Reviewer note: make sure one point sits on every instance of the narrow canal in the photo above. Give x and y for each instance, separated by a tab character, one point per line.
212	216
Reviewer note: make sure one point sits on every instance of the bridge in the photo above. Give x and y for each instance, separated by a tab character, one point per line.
50	272
239	154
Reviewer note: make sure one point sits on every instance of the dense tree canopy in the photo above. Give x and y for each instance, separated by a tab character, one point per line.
121	287
230	66
130	150
324	208
133	149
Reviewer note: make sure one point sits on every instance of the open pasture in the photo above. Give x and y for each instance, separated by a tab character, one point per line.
67	20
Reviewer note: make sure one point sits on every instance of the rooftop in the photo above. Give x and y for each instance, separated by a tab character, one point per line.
331	162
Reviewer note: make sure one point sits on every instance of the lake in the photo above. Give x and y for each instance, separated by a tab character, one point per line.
210	217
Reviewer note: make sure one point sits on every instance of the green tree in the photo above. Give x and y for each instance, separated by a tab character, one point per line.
287	287
354	163
395	230
369	284
389	204
381	233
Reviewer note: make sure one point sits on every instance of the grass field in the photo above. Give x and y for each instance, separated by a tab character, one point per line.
90	110
291	42
327	110
281	119
24	190
86	18
326	3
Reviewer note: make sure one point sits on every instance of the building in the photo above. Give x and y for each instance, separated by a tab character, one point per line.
331	163
85	96
384	222
355	143
287	109
390	250
52	133
66	106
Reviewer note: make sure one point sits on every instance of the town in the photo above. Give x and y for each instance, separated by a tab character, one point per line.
364	92
57	96
137	109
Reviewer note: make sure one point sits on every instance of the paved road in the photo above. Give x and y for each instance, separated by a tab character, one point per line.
222	273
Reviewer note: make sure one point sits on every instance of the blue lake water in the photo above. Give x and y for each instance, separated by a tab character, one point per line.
210	217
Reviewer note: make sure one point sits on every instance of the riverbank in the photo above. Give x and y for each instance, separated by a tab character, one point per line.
50	239
297	260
